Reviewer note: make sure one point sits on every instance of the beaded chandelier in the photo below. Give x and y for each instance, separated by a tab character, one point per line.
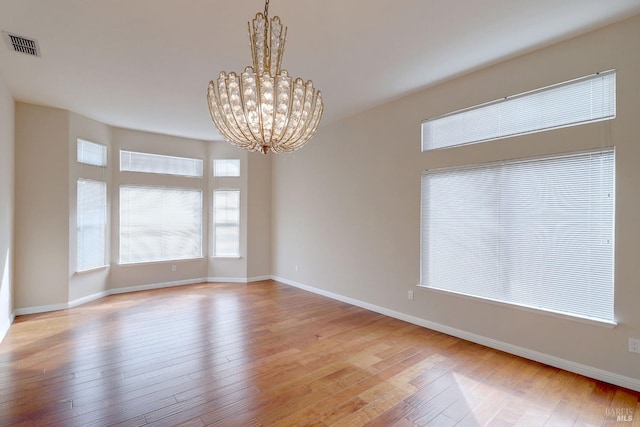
263	109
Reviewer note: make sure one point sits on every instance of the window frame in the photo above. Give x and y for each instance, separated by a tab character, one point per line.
215	224
226	175
80	234
80	142
546	310
161	188
156	156
495	118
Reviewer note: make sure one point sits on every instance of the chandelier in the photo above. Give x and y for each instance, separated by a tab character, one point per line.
263	109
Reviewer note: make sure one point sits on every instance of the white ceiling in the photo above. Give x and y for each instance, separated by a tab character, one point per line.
146	64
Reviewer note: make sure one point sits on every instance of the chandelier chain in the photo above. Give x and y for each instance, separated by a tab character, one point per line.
266	18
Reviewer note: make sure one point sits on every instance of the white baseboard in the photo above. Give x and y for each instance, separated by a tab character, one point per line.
258	279
237	279
5	325
124	290
41	309
567	365
152	286
89	298
226	280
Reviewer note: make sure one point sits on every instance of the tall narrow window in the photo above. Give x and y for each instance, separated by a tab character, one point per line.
226	223
159	224
588	99
535	233
91	224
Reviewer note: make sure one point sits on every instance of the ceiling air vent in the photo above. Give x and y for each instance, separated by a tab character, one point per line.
22	44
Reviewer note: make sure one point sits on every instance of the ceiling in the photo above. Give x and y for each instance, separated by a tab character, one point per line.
146	64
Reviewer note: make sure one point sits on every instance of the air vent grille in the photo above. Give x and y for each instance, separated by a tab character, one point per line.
21	44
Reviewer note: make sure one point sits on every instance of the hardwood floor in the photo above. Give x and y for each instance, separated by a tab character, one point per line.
268	354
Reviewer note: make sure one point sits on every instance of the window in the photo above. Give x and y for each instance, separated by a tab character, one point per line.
91	153
226	168
131	161
535	233
226	223
91	224
159	224
583	100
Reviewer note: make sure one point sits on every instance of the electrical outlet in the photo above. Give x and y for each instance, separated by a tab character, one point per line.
297	268
410	295
634	345
173	268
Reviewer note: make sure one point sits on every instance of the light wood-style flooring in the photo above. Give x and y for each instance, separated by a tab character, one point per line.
267	354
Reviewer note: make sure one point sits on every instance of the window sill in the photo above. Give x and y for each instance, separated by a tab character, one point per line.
170	261
226	257
559	315
91	270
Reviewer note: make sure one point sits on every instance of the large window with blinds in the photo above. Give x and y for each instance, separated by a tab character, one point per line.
537	233
159	224
91	220
587	99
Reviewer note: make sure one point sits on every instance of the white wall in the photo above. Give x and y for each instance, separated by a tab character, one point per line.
42	207
346	207
45	226
7	144
259	216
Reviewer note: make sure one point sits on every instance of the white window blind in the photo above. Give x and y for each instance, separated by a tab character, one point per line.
91	219
536	233
91	153
226	223
226	167
131	161
583	100
159	224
